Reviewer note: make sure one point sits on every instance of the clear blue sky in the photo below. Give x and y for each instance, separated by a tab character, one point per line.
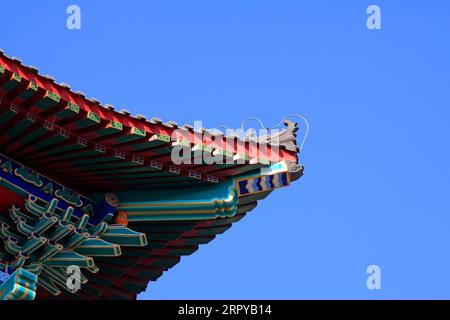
377	164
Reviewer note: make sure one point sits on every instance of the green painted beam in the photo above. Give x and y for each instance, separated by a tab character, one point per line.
112	127
123	236
155	141
66	149
47	143
91	119
39	132
132	135
98	248
13	82
30	91
86	153
49	100
6	116
70	110
18	128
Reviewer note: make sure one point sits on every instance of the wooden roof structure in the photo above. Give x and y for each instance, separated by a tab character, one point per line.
86	184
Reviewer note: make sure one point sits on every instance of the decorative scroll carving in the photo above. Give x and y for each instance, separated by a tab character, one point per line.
286	137
295	170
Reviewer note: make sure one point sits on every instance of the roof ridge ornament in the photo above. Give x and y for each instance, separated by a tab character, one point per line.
286	137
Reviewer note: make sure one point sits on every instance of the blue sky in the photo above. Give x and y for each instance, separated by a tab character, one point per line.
377	174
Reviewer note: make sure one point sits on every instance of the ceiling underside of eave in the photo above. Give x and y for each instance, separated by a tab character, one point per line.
84	144
86	167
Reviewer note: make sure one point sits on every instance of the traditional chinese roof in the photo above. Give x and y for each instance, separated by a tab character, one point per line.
47	125
82	183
